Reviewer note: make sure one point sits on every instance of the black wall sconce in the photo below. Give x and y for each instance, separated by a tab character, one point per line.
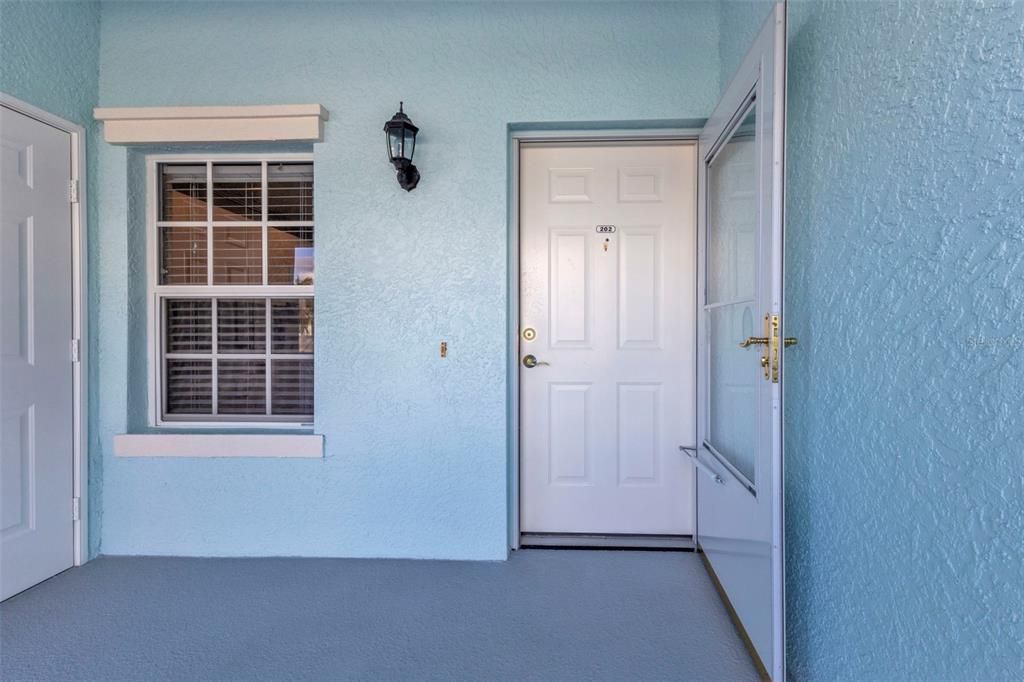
401	137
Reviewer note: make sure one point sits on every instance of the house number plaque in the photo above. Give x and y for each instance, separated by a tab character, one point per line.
605	229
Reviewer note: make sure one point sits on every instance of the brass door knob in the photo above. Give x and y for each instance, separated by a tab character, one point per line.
529	361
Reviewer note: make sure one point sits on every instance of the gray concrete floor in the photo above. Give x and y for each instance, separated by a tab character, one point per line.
542	615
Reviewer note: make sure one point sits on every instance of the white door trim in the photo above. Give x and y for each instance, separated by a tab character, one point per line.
516	139
80	321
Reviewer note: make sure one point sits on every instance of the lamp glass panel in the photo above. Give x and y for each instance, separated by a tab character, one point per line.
410	143
395	143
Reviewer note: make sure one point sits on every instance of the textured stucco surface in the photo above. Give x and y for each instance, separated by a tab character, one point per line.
542	615
739	22
905	286
49	57
416	445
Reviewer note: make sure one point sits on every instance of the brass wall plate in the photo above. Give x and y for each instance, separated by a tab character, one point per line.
529	334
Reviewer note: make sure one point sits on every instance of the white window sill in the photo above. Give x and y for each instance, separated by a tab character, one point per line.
296	446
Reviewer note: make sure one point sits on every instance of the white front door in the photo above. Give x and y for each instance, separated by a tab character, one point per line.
607	290
739	501
36	381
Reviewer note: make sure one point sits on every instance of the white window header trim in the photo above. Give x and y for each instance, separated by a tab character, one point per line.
262	123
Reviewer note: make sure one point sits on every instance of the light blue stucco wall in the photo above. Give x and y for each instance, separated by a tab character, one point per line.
416	446
49	57
905	286
739	23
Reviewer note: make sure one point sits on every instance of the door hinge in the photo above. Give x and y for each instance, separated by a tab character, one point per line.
73	191
76	508
76	350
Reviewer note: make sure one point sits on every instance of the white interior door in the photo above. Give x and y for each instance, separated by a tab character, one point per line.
739	502
607	287
36	381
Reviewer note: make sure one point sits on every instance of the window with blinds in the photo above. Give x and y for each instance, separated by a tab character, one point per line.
234	290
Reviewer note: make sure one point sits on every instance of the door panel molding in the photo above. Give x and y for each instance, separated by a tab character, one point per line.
634	332
80	322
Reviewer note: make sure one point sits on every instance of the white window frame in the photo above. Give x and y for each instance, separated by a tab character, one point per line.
155	292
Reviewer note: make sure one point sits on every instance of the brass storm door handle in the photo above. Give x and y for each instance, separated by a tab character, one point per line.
529	361
772	344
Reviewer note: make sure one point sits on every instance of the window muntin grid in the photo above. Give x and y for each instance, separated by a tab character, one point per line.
229	367
243	224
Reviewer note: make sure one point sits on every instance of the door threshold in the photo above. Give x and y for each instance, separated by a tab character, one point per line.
669	543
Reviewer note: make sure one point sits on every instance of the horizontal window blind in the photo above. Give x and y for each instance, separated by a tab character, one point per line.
290	255
183	255
290	191
241	387
238	255
292	322
233	239
189	326
241	326
227	373
237	192
189	387
292	384
183	192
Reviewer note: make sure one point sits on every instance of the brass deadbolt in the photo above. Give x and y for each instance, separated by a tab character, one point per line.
529	334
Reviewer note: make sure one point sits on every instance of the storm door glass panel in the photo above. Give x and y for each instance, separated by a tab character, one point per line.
732	185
